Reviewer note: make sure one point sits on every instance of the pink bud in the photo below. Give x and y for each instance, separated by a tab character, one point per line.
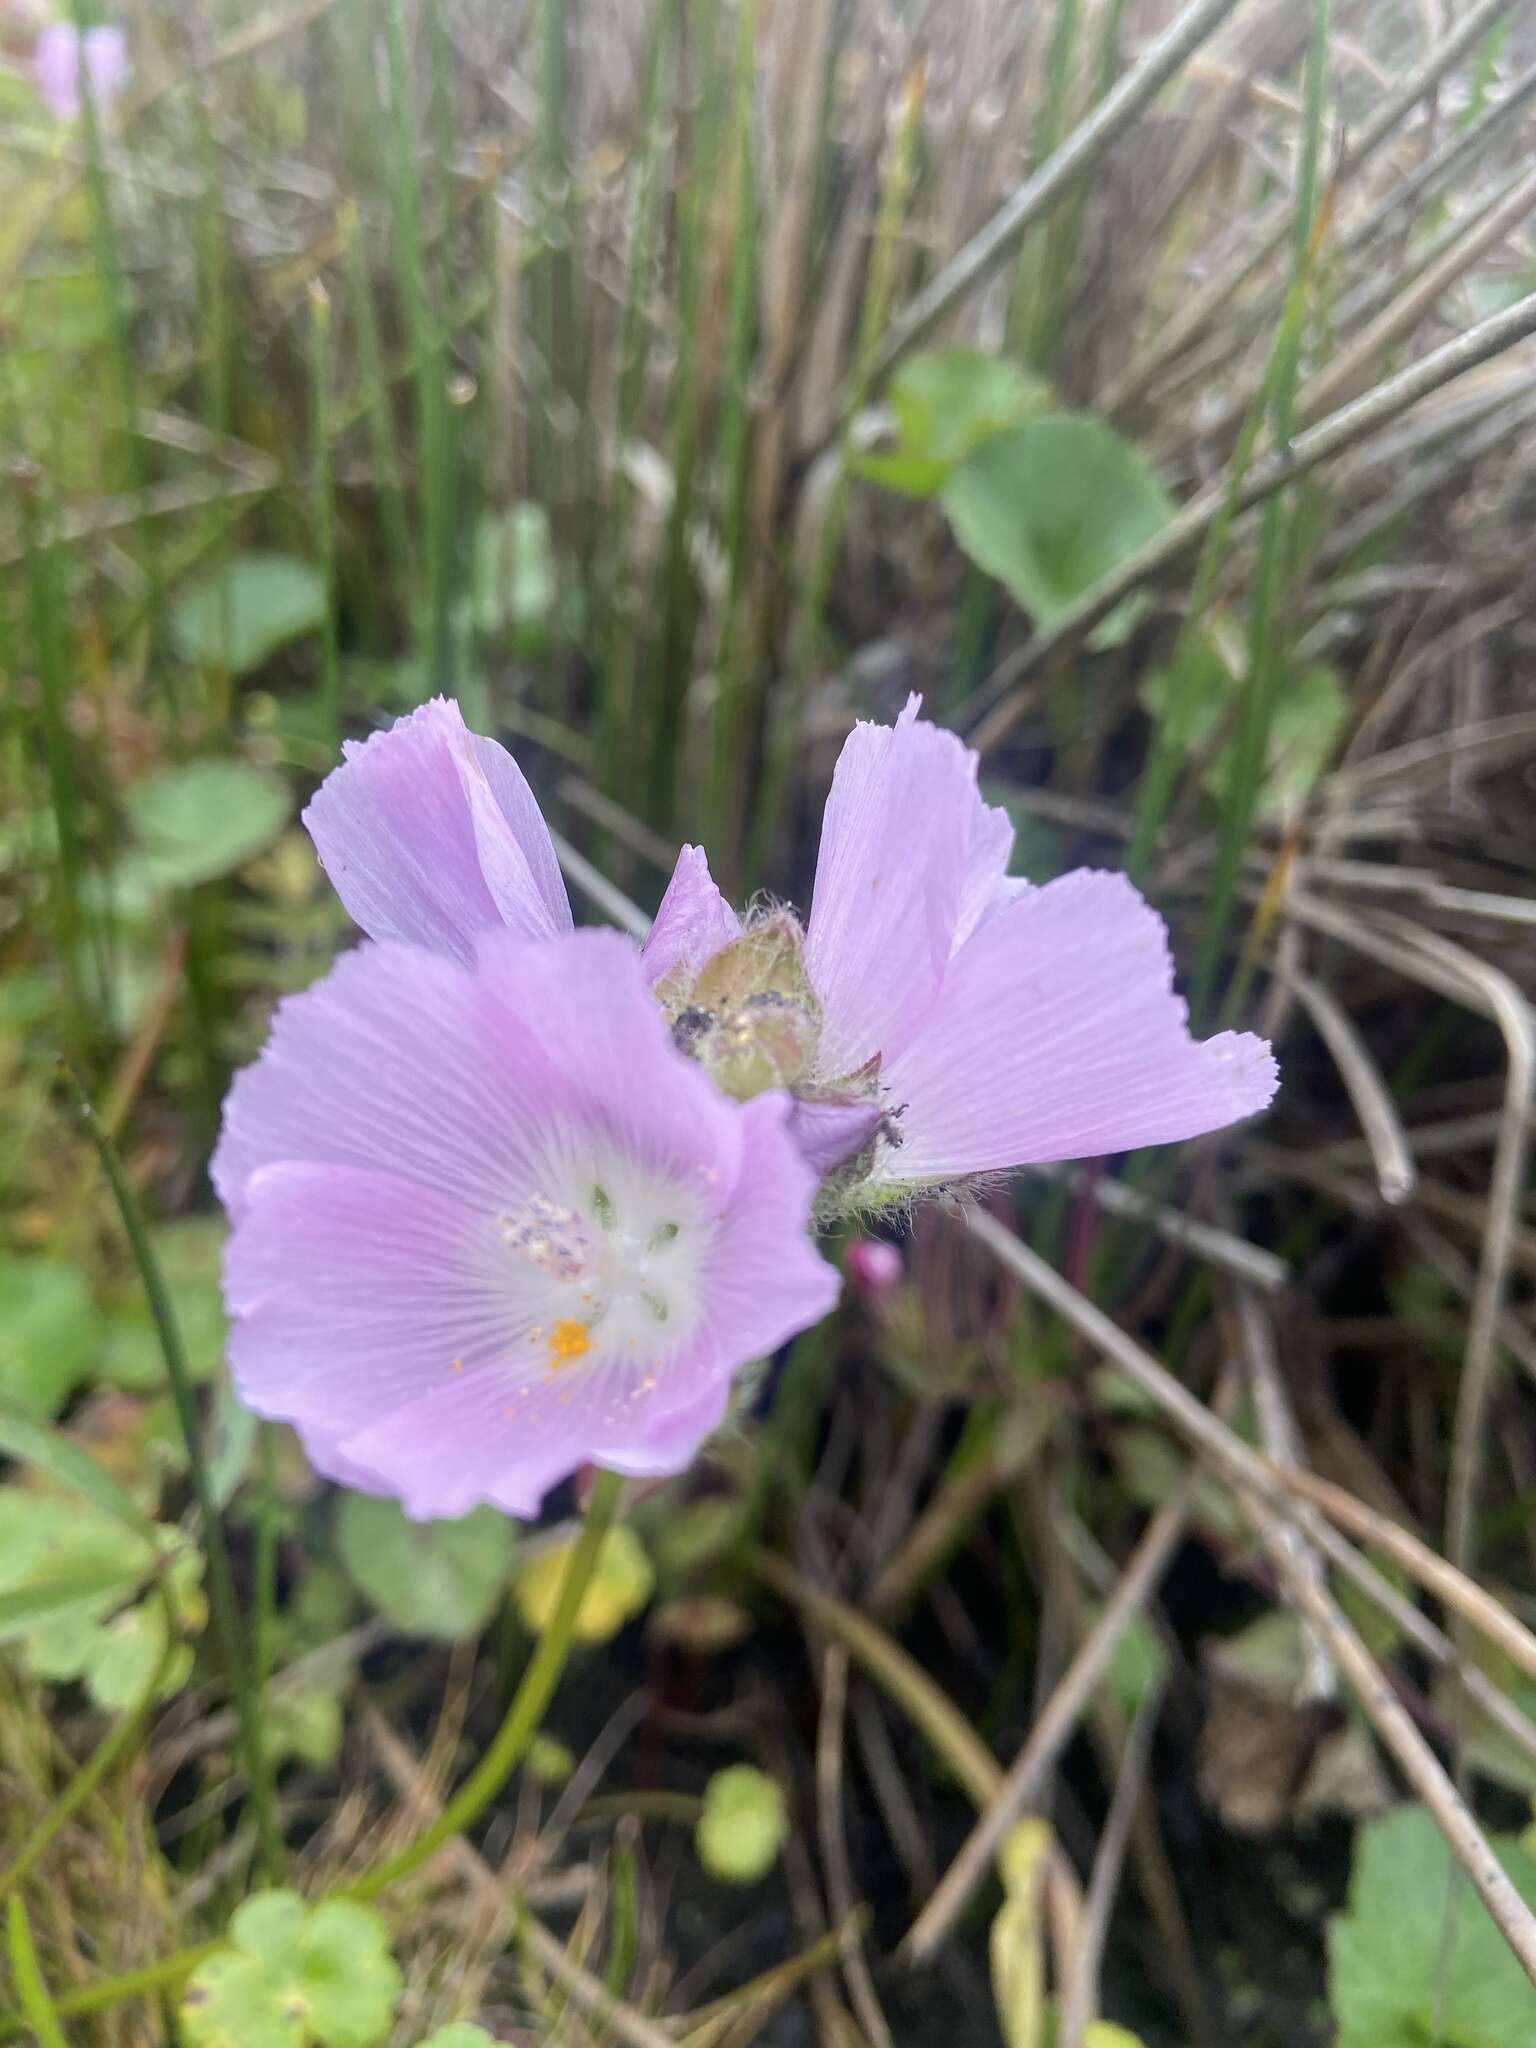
873	1266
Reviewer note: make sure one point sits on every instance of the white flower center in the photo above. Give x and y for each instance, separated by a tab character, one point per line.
601	1262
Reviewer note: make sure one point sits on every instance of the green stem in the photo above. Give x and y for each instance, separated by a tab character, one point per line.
108	1990
525	1713
37	2008
325	507
221	1585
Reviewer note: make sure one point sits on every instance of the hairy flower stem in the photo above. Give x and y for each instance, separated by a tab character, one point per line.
533	1695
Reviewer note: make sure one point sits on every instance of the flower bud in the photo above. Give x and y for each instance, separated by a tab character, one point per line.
873	1266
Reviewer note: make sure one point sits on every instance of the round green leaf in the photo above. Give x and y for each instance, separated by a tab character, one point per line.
743	1825
946	404
48	1333
619	1588
206	818
1053	507
439	1579
234	618
461	2034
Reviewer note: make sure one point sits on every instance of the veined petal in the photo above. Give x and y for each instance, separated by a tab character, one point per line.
988	886
1057	1035
387	1064
830	1133
896	848
692	923
430	834
491	1225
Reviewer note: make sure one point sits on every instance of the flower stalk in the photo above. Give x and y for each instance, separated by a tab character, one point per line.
523	1717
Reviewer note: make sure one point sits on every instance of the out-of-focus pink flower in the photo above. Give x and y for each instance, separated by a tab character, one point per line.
873	1266
61	54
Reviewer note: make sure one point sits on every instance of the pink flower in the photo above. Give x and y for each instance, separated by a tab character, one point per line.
509	1198
935	1019
1002	1024
59	56
490	1225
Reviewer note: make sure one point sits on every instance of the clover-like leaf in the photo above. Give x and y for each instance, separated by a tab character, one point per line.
619	1588
743	1825
293	1975
440	1579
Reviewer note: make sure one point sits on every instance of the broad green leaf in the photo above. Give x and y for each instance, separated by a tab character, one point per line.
236	617
441	1579
188	1253
294	1975
462	2034
743	1825
1401	1967
947	404
618	1590
1105	2034
1052	508
22	1436
206	818
49	1332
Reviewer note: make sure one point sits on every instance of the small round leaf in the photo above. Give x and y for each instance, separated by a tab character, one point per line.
743	1825
619	1588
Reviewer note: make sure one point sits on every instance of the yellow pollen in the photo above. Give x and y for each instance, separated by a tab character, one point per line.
568	1341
